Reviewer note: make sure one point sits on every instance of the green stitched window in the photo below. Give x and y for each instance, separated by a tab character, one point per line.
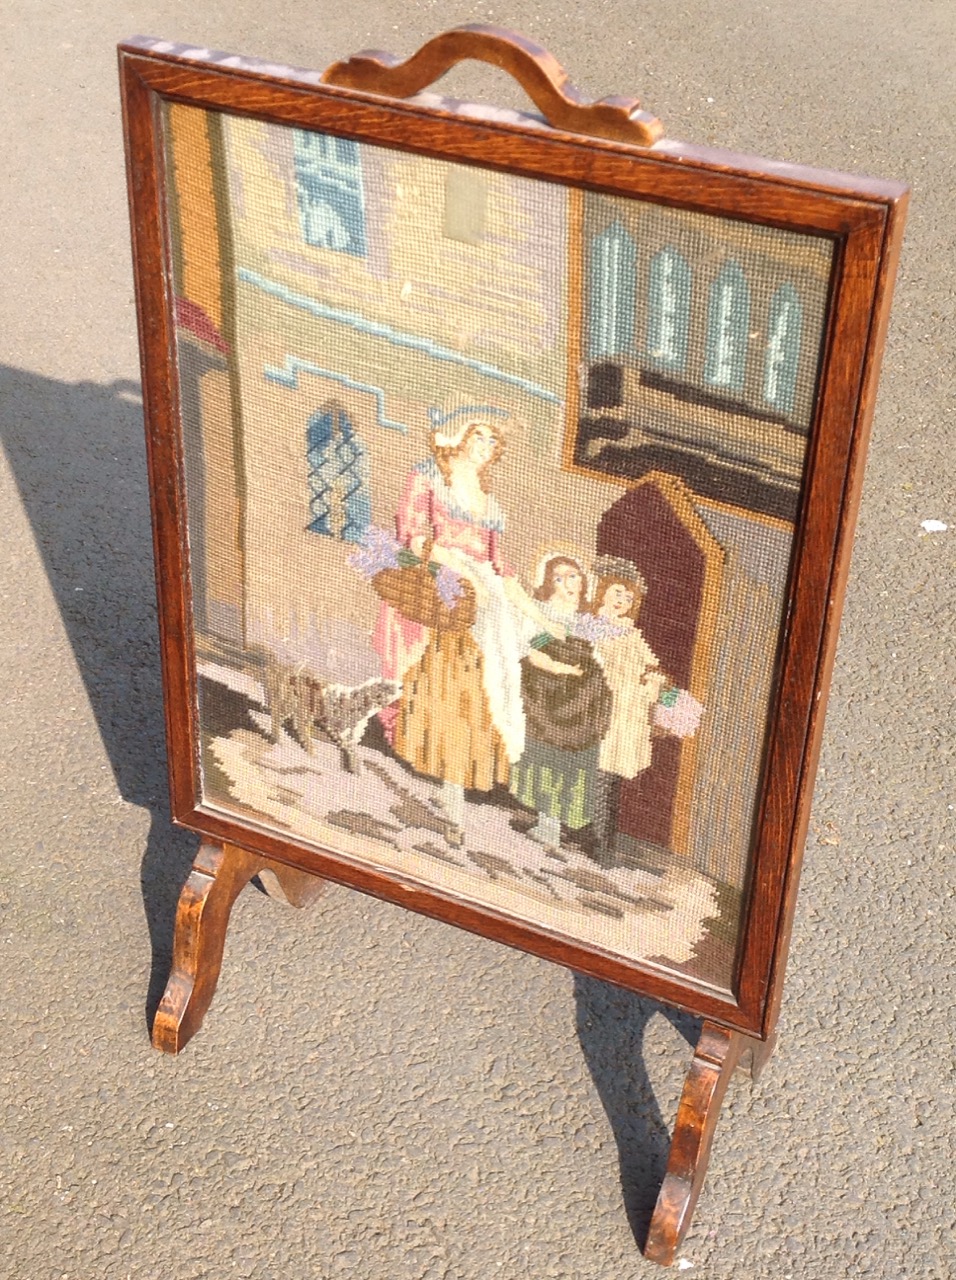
784	334
728	326
611	311
668	309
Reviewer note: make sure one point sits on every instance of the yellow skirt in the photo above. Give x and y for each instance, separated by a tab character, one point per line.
444	728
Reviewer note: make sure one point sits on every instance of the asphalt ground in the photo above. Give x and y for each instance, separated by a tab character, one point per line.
374	1094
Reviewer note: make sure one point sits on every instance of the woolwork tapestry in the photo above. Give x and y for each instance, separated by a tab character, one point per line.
491	489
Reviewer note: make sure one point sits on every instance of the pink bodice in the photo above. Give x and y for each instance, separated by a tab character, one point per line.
428	509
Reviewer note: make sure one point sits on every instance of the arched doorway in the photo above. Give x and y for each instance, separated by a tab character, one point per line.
655	526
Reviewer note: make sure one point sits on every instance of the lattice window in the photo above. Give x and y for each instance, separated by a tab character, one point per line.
330	192
668	309
339	503
728	327
785	333
612	293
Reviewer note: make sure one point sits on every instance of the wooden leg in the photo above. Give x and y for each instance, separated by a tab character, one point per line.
715	1059
218	876
756	1055
289	884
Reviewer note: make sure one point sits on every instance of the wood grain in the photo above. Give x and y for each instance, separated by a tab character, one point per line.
715	1060
609	146
864	219
219	874
538	72
288	884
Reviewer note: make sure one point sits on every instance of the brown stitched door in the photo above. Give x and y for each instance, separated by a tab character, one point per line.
643	527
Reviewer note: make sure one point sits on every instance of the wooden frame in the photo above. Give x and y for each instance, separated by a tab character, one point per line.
608	149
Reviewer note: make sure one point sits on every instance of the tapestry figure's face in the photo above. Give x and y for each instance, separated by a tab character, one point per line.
481	445
618	601
568	583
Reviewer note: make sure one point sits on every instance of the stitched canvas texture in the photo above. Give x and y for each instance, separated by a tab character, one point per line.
491	489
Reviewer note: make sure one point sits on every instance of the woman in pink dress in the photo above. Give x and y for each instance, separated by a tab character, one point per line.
460	717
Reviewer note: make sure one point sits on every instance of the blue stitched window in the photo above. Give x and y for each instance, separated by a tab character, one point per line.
783	348
668	309
611	318
339	502
330	192
728	326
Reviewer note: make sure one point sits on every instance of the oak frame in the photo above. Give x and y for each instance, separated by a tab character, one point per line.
864	219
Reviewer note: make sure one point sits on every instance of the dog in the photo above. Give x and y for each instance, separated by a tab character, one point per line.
337	712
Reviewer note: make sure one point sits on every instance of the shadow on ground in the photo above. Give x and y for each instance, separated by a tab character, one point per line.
611	1024
76	451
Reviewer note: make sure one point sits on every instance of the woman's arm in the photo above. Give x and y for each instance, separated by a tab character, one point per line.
538	658
521	600
455	560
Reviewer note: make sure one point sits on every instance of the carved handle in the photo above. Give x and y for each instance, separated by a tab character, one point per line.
541	76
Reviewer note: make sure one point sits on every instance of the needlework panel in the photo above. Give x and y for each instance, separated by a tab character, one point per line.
491	489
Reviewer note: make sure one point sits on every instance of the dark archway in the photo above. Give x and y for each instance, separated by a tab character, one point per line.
645	527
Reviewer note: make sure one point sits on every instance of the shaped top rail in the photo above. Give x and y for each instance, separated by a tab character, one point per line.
539	73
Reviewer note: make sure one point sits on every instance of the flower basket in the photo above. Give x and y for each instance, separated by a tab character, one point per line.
427	593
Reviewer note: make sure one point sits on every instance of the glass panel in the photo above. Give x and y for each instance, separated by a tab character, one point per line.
487	594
